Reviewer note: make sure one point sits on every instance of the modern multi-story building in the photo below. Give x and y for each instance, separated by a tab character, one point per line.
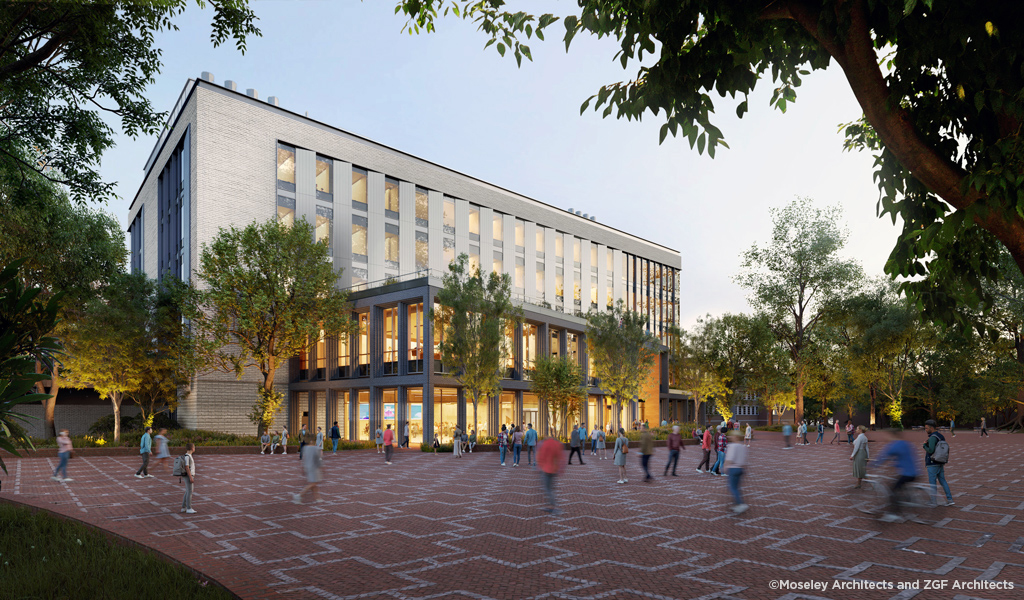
392	222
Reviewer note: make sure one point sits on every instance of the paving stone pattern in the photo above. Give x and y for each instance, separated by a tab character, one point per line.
439	527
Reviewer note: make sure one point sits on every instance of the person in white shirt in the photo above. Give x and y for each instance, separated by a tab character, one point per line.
749	434
735	462
190	477
593	440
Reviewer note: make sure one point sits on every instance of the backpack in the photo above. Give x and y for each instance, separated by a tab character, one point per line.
941	454
180	466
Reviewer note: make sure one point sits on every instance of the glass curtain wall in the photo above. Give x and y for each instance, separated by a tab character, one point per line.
390	411
481	416
446	404
415	396
506	412
391	341
363	345
363	416
341	412
416	338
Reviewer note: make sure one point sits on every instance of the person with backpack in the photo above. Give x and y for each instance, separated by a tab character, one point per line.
186	467
284	440
517	446
145	449
502	444
378	439
720	443
601	444
335	436
821	433
936	455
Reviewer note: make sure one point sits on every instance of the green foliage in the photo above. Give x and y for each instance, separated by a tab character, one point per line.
622	350
939	82
475	320
67	67
561	382
261	294
797	276
262	414
25	322
46	556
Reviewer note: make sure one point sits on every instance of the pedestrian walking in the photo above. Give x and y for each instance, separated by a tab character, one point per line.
190	478
378	440
749	435
472	440
517	446
835	438
64	450
787	431
936	455
646	451
706	446
593	440
303	434
860	456
821	433
720	444
849	431
163	451
984	428
619	455
899	451
437	444
320	437
457	442
405	436
530	439
284	440
675	444
389	441
802	437
264	442
952	424
574	444
335	436
312	465
502	444
601	445
145	449
735	463
551	460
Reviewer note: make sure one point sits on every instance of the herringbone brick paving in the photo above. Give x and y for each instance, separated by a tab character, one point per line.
439	527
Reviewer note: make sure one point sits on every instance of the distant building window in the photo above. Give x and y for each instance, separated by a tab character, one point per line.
323	179
498	266
520	235
359	238
576	251
391	197
593	292
497	227
286	167
474	259
540	242
286	210
359	188
325	227
520	273
391	246
540	280
422	207
593	257
448	250
559	284
609	262
422	250
474	222
449	216
559	247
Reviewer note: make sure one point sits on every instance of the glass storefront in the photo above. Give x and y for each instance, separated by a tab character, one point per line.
481	416
446	404
506	414
593	410
341	413
415	396
390	410
363	416
531	410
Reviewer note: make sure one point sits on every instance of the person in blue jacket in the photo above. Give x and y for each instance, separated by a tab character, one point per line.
145	449
530	440
902	455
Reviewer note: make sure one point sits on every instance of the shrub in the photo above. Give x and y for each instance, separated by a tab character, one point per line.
442	448
105	425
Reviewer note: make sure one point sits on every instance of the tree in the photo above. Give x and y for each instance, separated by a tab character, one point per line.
25	321
64	66
561	383
474	318
691	368
938	80
69	249
107	347
261	293
622	350
797	275
769	371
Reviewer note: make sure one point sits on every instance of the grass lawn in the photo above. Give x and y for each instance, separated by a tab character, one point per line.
44	557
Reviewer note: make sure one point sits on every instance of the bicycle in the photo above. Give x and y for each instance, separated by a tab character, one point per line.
913	498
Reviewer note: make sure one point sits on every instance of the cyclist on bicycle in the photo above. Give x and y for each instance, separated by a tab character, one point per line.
901	453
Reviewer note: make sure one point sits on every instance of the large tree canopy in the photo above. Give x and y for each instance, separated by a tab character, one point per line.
940	83
65	64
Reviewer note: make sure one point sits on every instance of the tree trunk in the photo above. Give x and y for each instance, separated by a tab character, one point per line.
115	400
268	388
798	412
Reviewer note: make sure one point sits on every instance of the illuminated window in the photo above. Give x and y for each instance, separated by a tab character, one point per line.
321	355
609	263
448	250
391	341
422	250
286	167
593	257
304	362
422	207
555	344
593	292
540	280
391	197
325	227
529	348
559	284
323	179
540	242
509	351
520	235
359	238
416	338
363	345
359	188
573	346
576	251
391	246
474	222
559	247
474	259
497	228
520	273
343	357
440	319
286	210
498	266
449	216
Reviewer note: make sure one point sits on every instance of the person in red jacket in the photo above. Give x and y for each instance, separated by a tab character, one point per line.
706	447
551	461
389	444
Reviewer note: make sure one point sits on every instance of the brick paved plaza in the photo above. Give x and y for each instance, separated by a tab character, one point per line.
439	527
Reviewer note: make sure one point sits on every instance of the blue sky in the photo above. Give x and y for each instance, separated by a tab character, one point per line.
444	98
